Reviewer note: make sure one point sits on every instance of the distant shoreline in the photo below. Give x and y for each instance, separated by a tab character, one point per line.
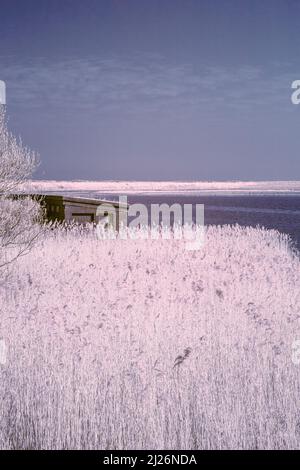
169	187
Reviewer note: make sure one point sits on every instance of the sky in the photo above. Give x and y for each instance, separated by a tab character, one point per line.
154	89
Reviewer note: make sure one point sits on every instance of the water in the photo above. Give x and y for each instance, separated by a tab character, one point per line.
281	212
272	212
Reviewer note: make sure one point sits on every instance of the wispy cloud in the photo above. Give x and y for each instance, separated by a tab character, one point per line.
147	84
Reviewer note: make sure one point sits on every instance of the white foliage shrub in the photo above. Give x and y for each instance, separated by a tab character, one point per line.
17	163
126	344
19	227
18	216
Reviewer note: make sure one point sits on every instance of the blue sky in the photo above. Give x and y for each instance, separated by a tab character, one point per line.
154	89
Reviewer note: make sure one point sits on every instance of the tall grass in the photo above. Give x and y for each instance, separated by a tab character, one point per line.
121	344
